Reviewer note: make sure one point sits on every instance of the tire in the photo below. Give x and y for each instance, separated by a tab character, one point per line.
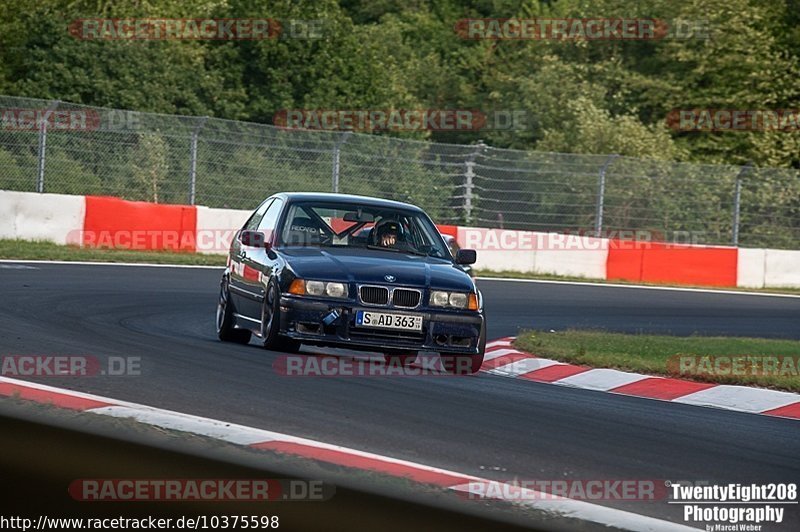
224	318
466	364
271	320
402	358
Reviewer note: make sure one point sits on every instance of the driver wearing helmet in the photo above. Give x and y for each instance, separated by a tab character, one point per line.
387	234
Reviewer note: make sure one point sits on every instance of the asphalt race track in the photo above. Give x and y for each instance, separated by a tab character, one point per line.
484	425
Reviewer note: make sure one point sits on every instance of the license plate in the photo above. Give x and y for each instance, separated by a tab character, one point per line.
382	320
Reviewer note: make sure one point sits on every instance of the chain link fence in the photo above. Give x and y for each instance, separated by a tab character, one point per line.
51	146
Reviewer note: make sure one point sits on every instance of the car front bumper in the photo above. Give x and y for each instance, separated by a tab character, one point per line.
445	331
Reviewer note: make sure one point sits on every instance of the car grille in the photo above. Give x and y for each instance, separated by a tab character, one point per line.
384	296
405	298
374	295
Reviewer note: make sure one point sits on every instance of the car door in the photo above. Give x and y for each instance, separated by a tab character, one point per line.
257	264
263	259
243	298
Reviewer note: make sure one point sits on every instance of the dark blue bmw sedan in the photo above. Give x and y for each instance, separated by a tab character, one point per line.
354	272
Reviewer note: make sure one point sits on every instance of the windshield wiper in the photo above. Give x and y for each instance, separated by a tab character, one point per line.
410	251
418	253
382	248
433	252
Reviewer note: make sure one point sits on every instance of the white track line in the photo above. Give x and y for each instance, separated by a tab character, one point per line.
243	435
186	423
641	287
501	279
574	508
98	263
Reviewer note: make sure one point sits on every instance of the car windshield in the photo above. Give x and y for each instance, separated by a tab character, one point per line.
361	226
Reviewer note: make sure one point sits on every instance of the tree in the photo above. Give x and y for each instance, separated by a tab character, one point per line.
149	165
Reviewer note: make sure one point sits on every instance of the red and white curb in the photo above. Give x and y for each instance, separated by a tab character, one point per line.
467	485
503	359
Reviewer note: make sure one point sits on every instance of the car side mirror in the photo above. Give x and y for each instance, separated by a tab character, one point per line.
255	239
466	256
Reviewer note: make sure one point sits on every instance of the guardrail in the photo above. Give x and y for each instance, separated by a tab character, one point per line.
58	147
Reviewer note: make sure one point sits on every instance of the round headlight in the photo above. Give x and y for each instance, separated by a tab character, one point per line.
439	298
458	300
335	289
315	288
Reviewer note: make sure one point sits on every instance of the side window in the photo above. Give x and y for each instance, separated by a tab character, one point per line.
270	219
254	220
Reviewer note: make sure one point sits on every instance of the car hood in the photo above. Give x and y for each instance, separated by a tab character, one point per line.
371	266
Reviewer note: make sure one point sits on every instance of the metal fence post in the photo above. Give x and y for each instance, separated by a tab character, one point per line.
193	160
469	185
601	194
737	201
336	153
43	146
469	181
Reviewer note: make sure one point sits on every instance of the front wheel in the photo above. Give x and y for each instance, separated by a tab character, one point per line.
271	323
225	329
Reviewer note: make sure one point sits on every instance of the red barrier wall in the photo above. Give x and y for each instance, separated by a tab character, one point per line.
662	263
623	264
451	230
113	222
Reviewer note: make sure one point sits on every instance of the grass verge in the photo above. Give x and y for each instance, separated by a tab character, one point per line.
22	249
717	359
